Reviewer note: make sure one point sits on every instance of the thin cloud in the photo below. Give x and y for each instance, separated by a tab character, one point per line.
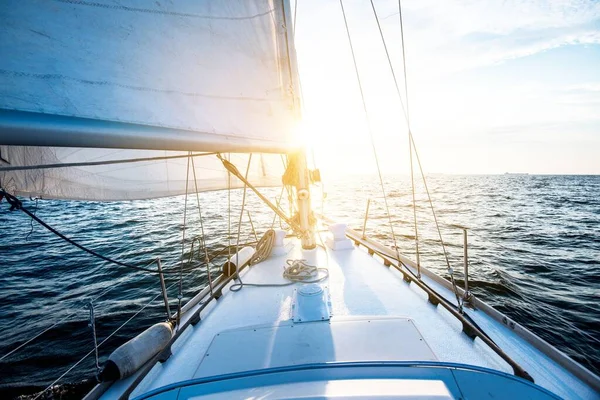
465	34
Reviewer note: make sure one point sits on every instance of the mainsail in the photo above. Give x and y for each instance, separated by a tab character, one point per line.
86	81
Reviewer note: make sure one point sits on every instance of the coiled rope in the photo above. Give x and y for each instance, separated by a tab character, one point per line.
264	247
300	271
296	271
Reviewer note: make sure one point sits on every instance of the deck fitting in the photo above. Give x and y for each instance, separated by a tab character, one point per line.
432	299
371	252
470	332
195	319
386	263
165	354
406	278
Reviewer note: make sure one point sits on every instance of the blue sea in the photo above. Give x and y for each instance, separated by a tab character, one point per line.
534	253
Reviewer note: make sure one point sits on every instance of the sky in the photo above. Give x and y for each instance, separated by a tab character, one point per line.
493	86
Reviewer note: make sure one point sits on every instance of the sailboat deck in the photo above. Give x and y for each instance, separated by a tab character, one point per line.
254	321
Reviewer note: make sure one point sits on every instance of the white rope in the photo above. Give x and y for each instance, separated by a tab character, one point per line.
300	271
264	247
297	271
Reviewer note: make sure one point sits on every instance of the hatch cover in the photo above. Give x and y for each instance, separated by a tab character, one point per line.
368	339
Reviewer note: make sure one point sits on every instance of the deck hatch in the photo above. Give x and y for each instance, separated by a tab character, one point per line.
364	339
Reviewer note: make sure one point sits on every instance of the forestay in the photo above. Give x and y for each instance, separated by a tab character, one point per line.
84	81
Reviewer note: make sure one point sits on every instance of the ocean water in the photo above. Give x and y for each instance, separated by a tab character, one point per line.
534	250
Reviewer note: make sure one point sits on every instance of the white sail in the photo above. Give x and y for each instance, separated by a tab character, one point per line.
203	76
131	180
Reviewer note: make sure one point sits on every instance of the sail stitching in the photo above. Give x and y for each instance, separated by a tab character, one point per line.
133	87
162	12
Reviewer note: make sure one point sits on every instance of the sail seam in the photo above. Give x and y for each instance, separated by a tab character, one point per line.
161	12
131	87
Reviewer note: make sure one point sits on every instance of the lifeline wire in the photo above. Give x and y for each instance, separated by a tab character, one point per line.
107	338
101	343
67	317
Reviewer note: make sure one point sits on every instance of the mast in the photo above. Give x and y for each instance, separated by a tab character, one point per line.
303	200
303	195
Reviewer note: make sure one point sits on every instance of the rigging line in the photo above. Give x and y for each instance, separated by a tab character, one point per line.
206	258
404	65
101	343
180	290
277	202
370	130
19	347
229	215
450	270
233	170
412	146
252	225
407	116
237	244
16	204
414	201
31	220
92	163
102	294
92	325
412	174
295	12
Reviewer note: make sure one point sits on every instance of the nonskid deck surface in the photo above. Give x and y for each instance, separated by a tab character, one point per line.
361	289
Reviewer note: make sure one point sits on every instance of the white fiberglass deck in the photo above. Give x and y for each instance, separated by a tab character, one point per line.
361	289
